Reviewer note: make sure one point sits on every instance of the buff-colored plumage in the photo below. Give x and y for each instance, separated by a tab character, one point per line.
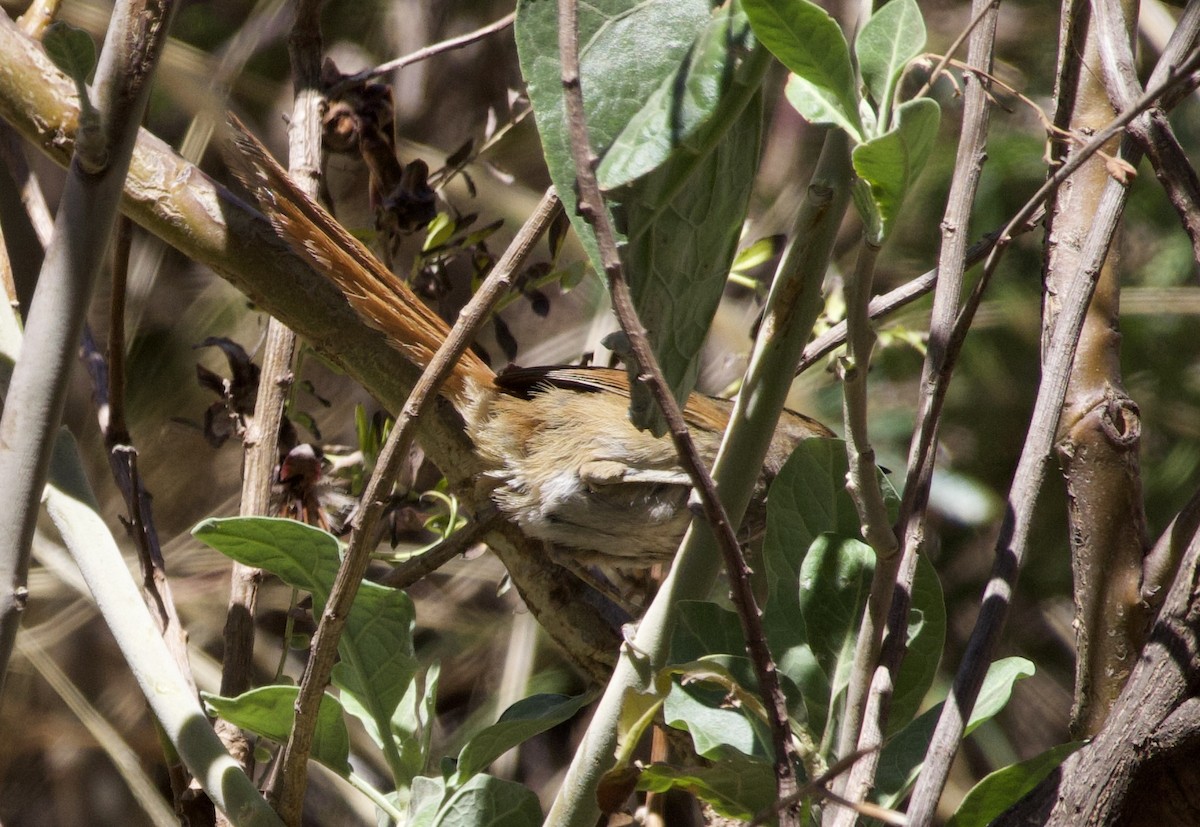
562	458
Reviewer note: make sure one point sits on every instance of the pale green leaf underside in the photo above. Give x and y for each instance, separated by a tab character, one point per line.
888	41
811	45
269	711
888	165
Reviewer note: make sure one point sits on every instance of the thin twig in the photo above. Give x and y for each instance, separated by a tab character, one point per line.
819	787
978	15
410	571
1156	91
38	16
1151	129
422	54
323	650
883	306
1012	544
861	479
871	682
262	432
592	208
123	463
862	483
261	442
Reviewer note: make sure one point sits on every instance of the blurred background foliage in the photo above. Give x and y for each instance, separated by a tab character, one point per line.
53	770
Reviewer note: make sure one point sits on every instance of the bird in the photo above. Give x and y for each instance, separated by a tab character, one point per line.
559	454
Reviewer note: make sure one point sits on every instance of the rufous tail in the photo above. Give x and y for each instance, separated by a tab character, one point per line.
382	299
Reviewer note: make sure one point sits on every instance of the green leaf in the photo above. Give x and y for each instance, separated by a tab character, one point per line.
683	222
703	628
886	43
426	797
671	97
377	658
811	45
689	99
926	639
760	252
438	232
520	722
412	722
638	711
736	787
835	579
716	709
902	756
806	500
999	790
997	688
270	711
889	164
486	801
72	50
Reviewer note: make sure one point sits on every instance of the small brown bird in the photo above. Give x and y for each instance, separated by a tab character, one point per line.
562	458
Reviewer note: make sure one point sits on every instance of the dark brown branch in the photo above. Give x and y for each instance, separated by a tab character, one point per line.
591	207
1151	735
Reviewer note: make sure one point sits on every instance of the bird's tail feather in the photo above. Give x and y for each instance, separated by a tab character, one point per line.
381	298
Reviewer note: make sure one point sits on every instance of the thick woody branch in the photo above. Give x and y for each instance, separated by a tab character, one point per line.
1099	434
1151	736
177	202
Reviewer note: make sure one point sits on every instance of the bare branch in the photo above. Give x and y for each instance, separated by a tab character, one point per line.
940	356
422	54
84	223
261	440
